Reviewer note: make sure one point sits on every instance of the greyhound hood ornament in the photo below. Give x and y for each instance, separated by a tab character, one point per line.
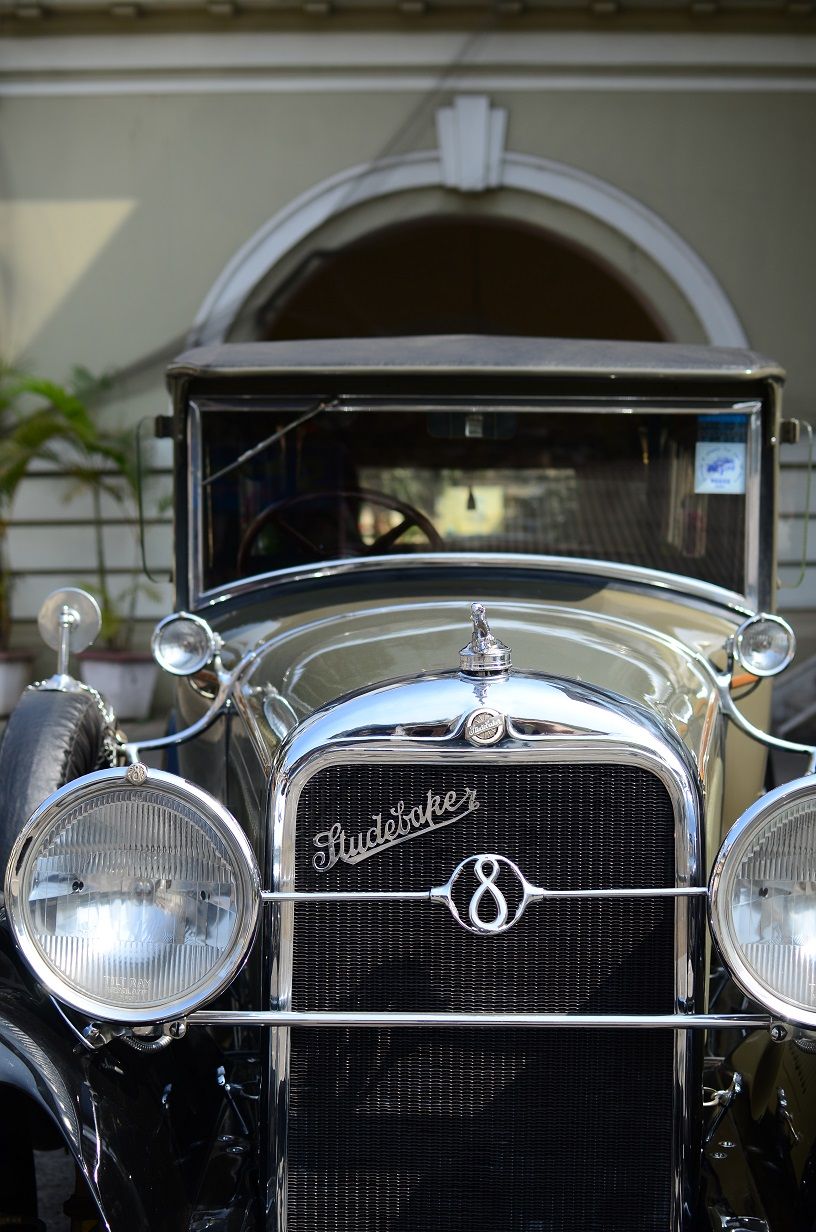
484	655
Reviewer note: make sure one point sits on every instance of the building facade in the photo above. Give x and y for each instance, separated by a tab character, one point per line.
188	172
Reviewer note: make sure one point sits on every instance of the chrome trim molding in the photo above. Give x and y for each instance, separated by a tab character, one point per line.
444	894
316	1018
195	513
580	404
440	356
632	574
227	681
608	571
731	711
133	749
753	504
439	894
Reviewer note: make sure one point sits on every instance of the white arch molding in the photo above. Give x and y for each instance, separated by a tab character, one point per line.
556	182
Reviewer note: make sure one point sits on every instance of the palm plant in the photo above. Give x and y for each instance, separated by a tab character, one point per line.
41	421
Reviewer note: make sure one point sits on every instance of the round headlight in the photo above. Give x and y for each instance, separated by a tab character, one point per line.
764	644
133	895
182	644
763	901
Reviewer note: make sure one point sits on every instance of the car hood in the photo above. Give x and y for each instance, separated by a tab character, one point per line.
650	651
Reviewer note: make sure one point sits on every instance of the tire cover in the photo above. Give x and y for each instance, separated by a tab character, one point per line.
50	739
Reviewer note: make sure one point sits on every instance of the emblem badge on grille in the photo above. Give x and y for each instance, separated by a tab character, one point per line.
392	826
490	889
484	726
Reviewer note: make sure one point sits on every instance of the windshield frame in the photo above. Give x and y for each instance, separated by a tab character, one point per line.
757	547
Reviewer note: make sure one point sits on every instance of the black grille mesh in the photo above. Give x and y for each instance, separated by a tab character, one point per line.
517	1131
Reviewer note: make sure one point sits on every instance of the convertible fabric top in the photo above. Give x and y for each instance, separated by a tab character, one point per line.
478	354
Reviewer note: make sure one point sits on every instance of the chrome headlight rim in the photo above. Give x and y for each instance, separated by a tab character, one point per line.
25	851
739	639
720	918
212	643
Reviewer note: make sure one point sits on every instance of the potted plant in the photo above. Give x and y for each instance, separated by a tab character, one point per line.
43	421
123	674
39	421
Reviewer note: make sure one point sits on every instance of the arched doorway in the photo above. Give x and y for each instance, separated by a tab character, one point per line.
623	236
450	274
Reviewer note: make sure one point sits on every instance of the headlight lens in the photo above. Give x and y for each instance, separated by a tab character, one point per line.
765	645
183	643
133	901
763	901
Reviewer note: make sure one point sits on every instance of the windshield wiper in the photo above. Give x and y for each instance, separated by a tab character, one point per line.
266	444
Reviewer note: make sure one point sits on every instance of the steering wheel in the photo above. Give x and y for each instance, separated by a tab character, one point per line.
275	515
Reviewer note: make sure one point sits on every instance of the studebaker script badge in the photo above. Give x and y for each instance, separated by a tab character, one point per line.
396	826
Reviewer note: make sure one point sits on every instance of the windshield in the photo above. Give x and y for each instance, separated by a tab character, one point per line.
663	488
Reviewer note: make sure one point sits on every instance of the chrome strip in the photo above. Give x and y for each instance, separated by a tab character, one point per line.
133	749
227	693
645	746
732	711
195	514
753	496
581	404
770	566
433	896
317	1018
609	571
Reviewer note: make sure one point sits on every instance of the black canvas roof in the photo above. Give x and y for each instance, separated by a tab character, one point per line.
475	354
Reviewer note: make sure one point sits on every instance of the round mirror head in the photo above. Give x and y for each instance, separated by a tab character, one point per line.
74	608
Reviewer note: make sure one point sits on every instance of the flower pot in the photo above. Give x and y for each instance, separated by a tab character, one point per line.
125	679
15	674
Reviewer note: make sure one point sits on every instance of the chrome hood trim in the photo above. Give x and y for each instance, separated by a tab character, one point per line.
608	572
431	713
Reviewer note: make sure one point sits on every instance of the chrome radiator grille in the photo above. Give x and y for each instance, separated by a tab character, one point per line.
517	1131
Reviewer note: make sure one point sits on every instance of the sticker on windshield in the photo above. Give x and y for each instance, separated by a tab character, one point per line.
719	466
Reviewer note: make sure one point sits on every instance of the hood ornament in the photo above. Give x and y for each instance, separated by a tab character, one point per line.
485	655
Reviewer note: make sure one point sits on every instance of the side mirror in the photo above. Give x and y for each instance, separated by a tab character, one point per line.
68	621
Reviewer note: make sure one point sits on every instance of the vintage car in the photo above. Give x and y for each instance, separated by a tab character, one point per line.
464	901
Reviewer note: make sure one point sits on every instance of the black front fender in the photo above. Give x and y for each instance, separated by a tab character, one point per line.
143	1128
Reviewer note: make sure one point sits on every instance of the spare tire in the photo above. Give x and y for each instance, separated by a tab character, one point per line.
51	738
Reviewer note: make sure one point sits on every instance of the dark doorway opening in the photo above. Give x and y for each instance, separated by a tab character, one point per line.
447	274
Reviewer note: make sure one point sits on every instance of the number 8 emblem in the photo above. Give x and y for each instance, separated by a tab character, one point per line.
488	911
488	885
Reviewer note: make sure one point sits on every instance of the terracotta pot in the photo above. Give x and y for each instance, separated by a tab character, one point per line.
125	679
15	674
